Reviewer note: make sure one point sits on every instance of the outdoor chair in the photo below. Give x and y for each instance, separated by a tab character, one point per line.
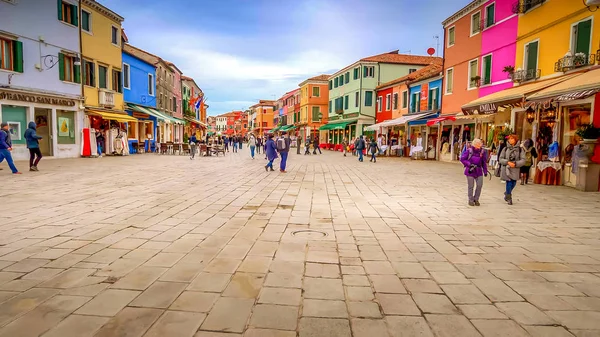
186	149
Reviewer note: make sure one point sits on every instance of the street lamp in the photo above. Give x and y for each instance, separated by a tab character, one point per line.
320	116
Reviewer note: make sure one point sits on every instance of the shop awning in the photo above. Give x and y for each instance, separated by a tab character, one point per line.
338	125
286	128
424	119
275	129
375	127
405	119
577	87
113	116
440	119
194	121
147	111
489	104
163	117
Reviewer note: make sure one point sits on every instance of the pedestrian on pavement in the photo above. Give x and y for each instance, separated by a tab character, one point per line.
226	141
298	144
234	139
474	159
33	144
259	145
265	142
193	140
307	146
6	147
511	160
316	145
240	141
252	145
345	145
530	155
360	147
283	147
374	148
271	152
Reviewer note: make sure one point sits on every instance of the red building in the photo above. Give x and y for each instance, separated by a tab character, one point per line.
236	123
384	104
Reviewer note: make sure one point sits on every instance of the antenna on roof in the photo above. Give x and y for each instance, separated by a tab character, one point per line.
437	45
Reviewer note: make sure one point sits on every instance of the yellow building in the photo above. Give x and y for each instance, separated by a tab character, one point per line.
101	63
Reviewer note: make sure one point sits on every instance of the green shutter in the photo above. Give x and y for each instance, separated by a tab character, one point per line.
330	84
368	98
59	9
335	82
346	102
365	71
412	103
83	67
490	15
487	75
355	73
74	15
532	51
430	100
347	77
18	56
584	31
61	66
77	73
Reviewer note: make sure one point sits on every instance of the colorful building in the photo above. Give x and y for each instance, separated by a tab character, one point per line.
314	102
195	117
263	116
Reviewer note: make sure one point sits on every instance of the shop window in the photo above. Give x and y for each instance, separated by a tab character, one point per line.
65	124
102	77
451	33
148	129
89	69
316	91
16	118
116	81
67	69
11	55
132	130
67	13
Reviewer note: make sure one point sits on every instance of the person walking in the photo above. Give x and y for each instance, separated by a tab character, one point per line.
511	160
474	159
235	140
193	140
316	145
226	142
259	144
252	145
298	144
530	155
307	146
360	147
374	148
6	147
240	141
271	152
345	145
283	147
33	144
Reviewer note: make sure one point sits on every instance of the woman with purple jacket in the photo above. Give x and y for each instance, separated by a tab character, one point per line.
474	158
271	152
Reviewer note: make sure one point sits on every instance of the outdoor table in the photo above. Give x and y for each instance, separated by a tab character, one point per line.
547	173
179	147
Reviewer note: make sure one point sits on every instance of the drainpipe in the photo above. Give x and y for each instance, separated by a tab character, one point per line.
362	74
81	71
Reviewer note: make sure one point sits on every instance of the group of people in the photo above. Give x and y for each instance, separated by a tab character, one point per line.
33	144
273	148
514	163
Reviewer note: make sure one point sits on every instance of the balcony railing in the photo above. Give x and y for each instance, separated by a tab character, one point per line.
574	61
106	98
522	6
525	75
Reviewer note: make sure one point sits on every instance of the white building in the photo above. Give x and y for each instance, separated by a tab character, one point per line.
40	80
221	123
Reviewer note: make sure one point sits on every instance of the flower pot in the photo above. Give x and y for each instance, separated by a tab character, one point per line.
591	145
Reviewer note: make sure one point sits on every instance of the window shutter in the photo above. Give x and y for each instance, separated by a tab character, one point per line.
346	102
18	56
532	50
74	15
61	66
365	71
77	73
59	6
83	69
584	30
490	15
430	100
487	79
347	77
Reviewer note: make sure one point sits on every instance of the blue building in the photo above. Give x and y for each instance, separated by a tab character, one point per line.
425	103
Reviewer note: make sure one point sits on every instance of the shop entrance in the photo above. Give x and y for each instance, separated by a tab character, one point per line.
43	120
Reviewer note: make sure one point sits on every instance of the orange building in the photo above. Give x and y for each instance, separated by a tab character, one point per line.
314	102
262	116
462	48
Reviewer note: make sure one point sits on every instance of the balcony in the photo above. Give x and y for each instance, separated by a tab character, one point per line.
106	98
525	75
523	6
570	62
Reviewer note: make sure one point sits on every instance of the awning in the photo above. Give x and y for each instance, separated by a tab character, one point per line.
147	111
164	117
440	119
424	119
576	87
406	118
275	129
375	127
193	120
338	125
489	104
113	116
287	128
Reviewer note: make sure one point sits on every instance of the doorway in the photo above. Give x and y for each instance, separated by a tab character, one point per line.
43	120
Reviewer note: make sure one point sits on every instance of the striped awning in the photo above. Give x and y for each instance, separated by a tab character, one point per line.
576	95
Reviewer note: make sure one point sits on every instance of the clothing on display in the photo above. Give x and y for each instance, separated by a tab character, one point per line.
553	151
579	156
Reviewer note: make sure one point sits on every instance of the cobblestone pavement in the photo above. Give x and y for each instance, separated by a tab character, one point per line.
153	245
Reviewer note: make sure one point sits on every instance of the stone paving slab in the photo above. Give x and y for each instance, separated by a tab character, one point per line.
157	245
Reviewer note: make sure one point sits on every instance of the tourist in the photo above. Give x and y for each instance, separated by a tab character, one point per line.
6	147
100	140
316	145
511	160
530	155
360	147
240	141
234	139
283	147
307	146
259	144
298	144
33	144
193	140
474	160
271	152
252	145
226	141
374	148
345	145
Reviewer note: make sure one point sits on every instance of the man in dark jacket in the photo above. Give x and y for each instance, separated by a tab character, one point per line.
33	144
6	147
298	144
193	141
283	150
316	145
360	146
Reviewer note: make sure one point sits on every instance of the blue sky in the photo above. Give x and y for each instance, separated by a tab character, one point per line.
239	51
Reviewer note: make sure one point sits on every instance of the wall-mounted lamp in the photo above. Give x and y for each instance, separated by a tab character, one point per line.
530	115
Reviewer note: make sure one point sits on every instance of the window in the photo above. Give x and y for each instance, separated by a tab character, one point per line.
432	103
451	36
86	21
315	113
329	106
486	69
531	55
67	70
335	82
449	80
395	101
116	81
356	99
346	100
415	102
339	105
67	13
347	77
151	84
114	36
89	71
126	75
368	71
473	73
264	124
411	70
174	104
330	85
388	102
132	130
356	73
368	98
379	103
490	15
404	99
11	55
341	81
581	37
475	23
316	91
102	77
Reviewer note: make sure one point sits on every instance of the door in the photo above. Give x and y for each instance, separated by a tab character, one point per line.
43	120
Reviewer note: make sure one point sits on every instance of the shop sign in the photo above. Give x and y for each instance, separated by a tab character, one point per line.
489	108
424	96
351	115
140	115
31	98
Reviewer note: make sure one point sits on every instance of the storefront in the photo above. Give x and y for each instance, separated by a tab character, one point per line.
396	131
337	130
59	121
108	130
143	134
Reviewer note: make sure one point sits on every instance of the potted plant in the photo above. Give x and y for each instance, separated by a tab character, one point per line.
476	80
579	59
508	69
589	133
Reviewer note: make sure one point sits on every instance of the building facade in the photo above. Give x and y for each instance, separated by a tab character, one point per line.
314	103
263	116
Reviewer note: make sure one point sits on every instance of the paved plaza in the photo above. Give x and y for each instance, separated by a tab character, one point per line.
152	245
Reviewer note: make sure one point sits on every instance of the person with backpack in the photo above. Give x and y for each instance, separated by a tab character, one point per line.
6	147
271	152
33	144
193	141
360	147
530	155
374	148
283	147
474	159
511	160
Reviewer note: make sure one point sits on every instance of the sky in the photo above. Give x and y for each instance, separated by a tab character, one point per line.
240	51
